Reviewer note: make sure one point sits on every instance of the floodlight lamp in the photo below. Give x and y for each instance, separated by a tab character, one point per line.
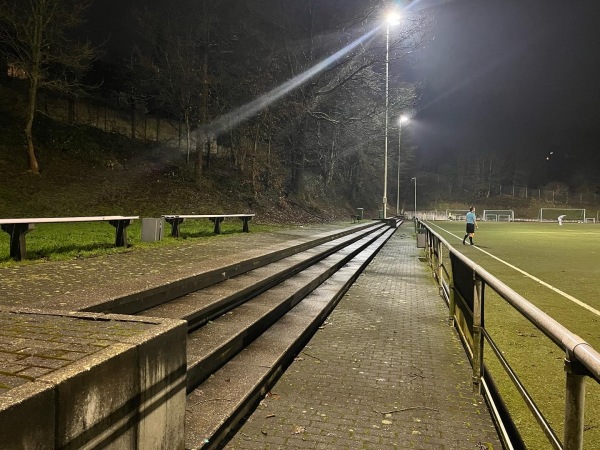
392	18
403	119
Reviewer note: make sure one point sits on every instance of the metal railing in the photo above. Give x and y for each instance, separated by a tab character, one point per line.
462	285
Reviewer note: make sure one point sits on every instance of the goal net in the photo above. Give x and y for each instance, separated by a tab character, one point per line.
499	215
570	214
456	214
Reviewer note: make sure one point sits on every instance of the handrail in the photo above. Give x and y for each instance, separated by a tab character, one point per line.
581	360
559	334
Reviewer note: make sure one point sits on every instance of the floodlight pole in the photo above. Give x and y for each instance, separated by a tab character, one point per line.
398	180
415	180
385	147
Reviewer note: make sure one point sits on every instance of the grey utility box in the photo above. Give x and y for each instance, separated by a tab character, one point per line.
152	229
421	238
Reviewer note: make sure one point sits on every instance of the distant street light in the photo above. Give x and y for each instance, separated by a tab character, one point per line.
415	180
391	19
403	119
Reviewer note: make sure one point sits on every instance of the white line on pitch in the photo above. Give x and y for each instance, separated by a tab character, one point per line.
543	283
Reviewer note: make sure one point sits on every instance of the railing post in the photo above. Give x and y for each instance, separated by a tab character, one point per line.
440	263
427	245
574	404
430	242
477	334
451	305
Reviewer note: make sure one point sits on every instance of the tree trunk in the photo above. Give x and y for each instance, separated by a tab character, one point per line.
254	150
297	159
268	175
200	146
232	153
202	138
133	121
33	164
208	150
188	142
298	171
330	161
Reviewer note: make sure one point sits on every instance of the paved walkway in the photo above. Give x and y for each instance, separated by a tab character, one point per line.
384	372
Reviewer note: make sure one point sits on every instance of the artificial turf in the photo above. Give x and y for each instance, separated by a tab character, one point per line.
554	267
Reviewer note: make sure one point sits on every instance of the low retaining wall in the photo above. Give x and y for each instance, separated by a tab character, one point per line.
85	380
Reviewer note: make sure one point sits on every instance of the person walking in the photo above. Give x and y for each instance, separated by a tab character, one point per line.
471	225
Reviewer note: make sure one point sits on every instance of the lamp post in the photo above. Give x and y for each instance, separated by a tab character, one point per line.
415	180
391	19
402	119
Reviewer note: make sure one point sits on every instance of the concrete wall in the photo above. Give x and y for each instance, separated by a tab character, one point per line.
129	395
133	123
128	122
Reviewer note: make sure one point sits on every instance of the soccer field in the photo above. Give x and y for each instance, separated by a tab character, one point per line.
555	268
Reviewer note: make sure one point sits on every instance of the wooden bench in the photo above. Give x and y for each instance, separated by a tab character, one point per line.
176	220
18	228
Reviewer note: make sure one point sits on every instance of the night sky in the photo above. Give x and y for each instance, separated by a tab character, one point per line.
513	77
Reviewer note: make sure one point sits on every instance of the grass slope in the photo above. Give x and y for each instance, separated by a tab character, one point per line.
85	171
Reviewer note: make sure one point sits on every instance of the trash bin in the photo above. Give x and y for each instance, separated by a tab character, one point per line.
421	238
361	213
152	229
381	213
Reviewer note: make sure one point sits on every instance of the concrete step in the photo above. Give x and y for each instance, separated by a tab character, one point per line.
199	307
213	345
144	299
217	406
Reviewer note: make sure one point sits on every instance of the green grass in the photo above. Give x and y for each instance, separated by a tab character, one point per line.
565	258
67	241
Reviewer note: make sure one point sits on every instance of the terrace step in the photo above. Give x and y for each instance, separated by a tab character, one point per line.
204	305
254	344
142	300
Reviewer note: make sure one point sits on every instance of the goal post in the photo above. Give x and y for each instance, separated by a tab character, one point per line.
456	214
499	215
570	214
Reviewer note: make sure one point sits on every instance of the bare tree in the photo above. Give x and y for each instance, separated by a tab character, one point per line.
37	43
177	64
166	66
340	99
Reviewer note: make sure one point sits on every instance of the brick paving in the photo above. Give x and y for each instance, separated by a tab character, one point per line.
384	372
76	284
34	345
41	341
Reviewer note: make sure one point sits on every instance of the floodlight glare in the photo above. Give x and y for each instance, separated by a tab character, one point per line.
403	119
392	18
